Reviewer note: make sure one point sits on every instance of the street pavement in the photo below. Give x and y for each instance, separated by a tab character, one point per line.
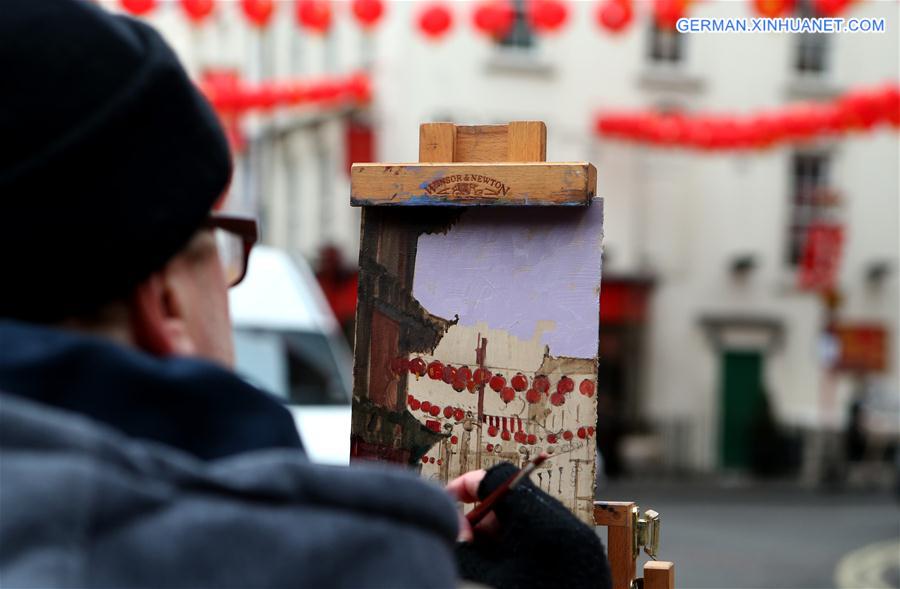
752	535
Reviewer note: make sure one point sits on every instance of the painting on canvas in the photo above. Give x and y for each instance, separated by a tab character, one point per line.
477	334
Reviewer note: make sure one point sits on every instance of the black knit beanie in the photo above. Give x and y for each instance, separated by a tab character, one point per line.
110	158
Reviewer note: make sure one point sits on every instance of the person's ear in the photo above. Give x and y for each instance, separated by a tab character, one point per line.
157	320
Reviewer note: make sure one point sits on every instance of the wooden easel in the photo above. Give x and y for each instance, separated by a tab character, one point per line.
505	165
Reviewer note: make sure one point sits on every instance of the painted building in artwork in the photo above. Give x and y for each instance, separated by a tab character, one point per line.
701	307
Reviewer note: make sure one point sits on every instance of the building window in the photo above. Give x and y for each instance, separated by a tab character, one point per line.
811	197
812	48
666	45
521	35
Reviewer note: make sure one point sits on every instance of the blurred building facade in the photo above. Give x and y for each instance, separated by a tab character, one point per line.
701	308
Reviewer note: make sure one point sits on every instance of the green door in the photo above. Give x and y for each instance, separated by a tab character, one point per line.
742	397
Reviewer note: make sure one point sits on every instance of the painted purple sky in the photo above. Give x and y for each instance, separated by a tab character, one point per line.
511	268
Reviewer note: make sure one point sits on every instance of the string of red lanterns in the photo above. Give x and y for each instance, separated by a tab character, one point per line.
855	111
494	18
229	94
463	378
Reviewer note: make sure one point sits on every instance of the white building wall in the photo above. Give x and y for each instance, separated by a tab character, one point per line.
681	215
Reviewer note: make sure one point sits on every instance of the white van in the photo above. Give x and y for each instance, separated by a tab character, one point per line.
288	342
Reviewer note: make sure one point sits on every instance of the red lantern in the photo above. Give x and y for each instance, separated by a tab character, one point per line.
505	435
615	15
586	388
435	370
492	431
470	386
314	15
481	375
367	12
431	460
417	366
582	433
459	383
551	439
425	460
449	374
567	435
258	12
497	382
489	447
830	8
773	8
138	7
448	412
494	17
541	383
440	461
557	399
547	16
465	372
197	10
520	437
435	20
454	439
565	385
590	430
507	394
532	396
426	406
459	414
532	439
519	382
414	404
435	410
667	12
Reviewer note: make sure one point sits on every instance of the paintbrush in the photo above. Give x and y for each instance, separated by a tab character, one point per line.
485	507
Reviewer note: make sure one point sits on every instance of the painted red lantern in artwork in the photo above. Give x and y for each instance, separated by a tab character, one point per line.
532	439
551	439
435	410
519	382
507	394
449	374
541	383
567	435
471	386
492	431
565	385
465	372
505	435
435	370
440	461
590	430
426	406
425	460
459	414
197	10
414	404
586	388
557	399
547	16
459	383
417	366
448	412
431	460
489	447
138	7
258	12
435	20
532	396
582	433
454	439
481	375
520	437
367	12
497	383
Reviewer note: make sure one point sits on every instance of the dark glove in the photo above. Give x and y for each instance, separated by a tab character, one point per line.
540	543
